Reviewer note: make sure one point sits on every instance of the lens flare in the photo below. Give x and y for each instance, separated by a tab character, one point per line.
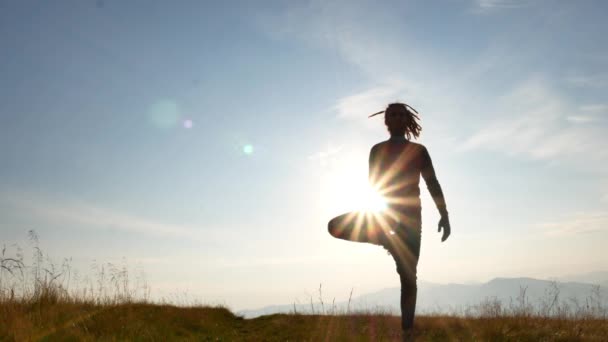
248	149
188	123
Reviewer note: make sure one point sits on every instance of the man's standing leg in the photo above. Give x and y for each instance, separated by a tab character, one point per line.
405	251
409	292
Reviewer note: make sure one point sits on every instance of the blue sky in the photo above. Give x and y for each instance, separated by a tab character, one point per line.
209	144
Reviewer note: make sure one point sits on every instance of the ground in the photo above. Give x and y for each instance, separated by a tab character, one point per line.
152	322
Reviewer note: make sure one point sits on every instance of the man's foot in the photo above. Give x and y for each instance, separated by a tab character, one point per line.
408	335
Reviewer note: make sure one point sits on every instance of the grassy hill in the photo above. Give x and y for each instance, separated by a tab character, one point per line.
41	321
43	302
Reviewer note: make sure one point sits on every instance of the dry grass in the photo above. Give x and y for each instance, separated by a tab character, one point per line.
162	322
46	303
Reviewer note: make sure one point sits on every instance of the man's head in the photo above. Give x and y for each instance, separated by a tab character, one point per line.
400	121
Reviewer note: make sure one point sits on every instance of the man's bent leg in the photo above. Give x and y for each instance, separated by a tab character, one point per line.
359	227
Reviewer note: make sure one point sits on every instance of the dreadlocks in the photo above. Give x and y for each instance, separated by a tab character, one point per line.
412	127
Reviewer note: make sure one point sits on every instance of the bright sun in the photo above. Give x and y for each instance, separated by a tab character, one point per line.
343	191
373	201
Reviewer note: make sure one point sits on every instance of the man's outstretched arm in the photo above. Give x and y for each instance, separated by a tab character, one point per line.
428	174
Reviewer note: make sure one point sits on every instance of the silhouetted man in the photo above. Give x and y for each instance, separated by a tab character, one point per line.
395	167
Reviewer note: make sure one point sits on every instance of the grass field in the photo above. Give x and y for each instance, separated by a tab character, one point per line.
149	322
44	302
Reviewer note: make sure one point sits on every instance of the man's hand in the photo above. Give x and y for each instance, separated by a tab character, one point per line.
444	223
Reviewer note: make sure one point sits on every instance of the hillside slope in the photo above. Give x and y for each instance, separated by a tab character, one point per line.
150	322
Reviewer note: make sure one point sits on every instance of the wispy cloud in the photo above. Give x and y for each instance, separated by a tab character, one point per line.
598	80
589	113
535	122
323	24
580	223
599	108
486	5
534	119
380	55
327	155
47	209
368	102
581	119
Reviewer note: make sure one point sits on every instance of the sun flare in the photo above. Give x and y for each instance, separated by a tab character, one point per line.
347	191
372	200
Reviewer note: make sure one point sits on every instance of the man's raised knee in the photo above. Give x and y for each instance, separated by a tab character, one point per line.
331	227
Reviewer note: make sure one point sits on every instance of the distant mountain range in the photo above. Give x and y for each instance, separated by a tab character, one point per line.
573	291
